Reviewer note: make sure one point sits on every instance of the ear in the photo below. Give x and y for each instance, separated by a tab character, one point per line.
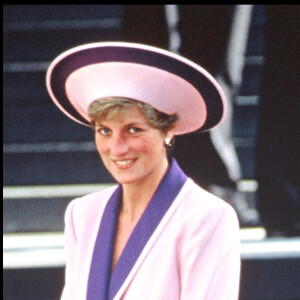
171	132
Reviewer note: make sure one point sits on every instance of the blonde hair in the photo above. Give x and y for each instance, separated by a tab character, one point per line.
108	108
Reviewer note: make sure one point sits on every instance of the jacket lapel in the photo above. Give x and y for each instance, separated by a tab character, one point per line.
161	201
99	276
103	285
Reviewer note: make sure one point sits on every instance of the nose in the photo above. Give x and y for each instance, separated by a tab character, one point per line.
119	146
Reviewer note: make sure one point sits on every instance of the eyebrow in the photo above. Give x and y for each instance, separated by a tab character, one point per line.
135	124
132	124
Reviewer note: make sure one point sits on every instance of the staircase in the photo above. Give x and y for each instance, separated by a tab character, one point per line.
49	160
42	148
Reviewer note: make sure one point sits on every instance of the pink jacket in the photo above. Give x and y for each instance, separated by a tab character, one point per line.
193	252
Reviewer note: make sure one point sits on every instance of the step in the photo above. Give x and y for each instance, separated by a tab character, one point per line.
44	31
41	13
43	45
33	266
53	168
40	208
20	249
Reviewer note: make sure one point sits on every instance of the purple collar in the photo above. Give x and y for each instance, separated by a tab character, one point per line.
101	284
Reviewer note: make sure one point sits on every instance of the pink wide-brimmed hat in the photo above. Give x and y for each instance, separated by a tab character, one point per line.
167	81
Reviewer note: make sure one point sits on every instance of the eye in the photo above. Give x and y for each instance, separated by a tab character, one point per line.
134	130
103	131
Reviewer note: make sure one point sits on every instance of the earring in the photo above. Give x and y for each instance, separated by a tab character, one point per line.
168	143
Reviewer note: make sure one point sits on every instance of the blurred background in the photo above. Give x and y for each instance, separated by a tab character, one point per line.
251	160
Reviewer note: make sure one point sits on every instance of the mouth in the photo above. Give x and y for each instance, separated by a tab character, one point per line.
125	163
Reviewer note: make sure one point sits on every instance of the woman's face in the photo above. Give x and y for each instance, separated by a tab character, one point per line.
131	150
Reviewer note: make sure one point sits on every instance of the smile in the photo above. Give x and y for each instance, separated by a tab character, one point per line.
125	163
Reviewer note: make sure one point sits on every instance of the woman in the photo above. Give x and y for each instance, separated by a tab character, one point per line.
155	235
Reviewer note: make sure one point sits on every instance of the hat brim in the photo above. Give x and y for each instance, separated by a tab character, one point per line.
167	81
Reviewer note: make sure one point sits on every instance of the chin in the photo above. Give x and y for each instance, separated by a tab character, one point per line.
127	179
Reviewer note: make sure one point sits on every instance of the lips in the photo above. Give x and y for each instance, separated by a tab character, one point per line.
125	163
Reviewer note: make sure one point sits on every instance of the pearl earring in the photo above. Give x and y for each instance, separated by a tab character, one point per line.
168	144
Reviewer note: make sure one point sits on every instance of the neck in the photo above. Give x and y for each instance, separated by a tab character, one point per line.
136	196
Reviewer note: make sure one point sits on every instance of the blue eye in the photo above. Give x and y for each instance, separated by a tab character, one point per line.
134	130
104	131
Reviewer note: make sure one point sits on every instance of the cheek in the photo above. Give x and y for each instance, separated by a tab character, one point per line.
142	146
151	147
101	146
